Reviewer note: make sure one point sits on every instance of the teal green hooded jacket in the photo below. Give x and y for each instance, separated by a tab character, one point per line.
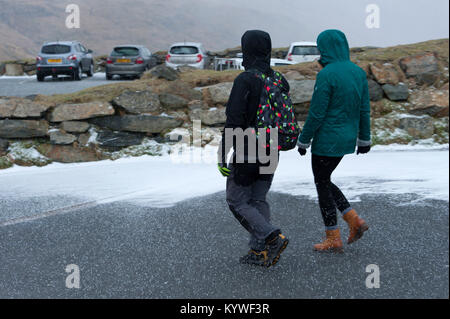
339	114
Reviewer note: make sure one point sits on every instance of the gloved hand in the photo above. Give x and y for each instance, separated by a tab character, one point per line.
363	149
223	169
302	151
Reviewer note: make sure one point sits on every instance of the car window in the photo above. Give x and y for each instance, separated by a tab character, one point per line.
305	50
83	49
55	49
125	51
184	50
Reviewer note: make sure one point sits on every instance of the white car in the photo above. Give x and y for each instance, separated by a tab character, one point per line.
303	52
187	53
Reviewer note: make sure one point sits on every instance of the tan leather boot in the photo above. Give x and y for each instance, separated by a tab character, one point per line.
357	226
332	243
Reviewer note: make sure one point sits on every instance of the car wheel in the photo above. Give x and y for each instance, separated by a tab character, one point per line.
77	74
91	70
40	77
109	77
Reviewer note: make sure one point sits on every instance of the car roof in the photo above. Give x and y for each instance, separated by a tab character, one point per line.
61	42
306	43
192	44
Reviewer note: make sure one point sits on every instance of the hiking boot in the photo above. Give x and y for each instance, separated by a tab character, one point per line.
332	243
275	247
257	258
357	226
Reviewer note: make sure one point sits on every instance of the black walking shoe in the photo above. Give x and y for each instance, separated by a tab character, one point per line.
275	247
255	258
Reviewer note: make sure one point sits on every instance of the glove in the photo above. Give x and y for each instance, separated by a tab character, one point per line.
363	149
302	151
223	169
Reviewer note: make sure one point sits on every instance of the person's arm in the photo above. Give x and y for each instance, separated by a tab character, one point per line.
236	112
364	118
317	111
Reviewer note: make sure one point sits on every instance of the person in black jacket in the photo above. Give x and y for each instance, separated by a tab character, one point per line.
247	187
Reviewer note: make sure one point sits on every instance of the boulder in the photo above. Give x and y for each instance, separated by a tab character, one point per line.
70	112
4	144
419	127
219	93
213	116
164	72
143	123
424	68
21	108
113	141
399	92
60	138
75	126
13	69
293	76
384	73
301	91
68	153
23	128
430	102
182	89
137	102
171	101
375	91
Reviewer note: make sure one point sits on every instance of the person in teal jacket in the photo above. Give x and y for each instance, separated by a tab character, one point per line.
338	121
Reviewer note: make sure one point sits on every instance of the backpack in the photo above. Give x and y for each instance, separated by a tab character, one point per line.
275	110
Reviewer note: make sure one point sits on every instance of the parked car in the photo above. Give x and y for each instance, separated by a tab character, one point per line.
187	53
64	58
129	61
303	52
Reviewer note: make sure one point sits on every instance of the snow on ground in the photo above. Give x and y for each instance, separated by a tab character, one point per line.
160	181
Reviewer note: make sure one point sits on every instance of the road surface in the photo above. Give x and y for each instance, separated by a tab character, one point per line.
28	85
191	250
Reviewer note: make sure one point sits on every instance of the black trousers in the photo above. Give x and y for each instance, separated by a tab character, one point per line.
330	196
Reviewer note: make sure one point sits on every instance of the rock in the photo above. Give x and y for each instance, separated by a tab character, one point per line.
172	101
68	154
219	93
113	141
384	73
83	139
21	108
164	72
69	112
397	92
13	69
23	128
213	116
301	111
293	76
301	91
143	123
137	102
60	138
419	127
4	144
182	89
75	126
430	102
197	104
424	68
375	91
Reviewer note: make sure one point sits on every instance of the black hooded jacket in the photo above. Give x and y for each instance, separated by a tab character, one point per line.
244	97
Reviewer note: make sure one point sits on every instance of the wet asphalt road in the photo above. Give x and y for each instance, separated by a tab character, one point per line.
26	86
191	250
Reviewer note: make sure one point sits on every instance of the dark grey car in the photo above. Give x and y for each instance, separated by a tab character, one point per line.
64	58
129	61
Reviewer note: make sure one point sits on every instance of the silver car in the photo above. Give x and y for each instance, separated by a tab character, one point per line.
66	58
129	61
187	53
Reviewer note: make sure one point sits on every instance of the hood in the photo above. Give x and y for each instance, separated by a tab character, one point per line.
333	47
256	50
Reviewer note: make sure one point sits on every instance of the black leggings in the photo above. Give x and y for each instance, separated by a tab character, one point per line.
330	196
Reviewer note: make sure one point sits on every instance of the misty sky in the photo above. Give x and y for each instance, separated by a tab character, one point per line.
401	21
